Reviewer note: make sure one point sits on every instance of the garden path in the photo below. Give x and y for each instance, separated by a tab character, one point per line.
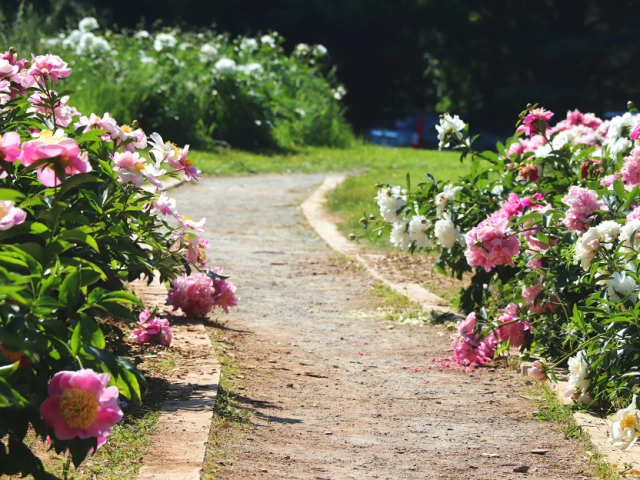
333	390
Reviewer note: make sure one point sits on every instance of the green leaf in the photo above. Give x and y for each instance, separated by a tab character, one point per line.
87	332
74	181
70	289
122	296
10	397
7	370
79	236
11	195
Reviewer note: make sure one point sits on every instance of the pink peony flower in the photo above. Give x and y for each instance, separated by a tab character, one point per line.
80	404
514	330
532	298
133	169
538	371
635	134
487	348
630	171
130	139
10	215
94	122
152	330
194	294
516	148
468	324
190	224
10	146
491	243
532	122
63	153
164	205
609	180
43	67
224	296
195	247
634	215
181	164
582	203
63	113
472	350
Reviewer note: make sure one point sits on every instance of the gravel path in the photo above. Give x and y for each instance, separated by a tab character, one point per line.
329	383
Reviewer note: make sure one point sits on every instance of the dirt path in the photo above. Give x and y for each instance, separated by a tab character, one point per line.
329	384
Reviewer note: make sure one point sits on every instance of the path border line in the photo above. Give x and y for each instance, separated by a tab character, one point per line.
314	211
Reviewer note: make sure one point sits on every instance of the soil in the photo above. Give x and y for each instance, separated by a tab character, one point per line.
333	390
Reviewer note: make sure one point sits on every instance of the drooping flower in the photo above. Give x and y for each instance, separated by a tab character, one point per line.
64	155
224	295
510	327
538	371
193	294
578	382
602	235
468	324
10	215
582	204
182	164
152	330
80	404
191	246
491	243
624	426
449	128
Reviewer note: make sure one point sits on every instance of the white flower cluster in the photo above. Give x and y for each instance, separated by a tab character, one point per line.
447	233
578	382
249	44
450	127
268	40
164	41
339	92
225	66
602	235
302	49
208	52
251	69
82	39
391	200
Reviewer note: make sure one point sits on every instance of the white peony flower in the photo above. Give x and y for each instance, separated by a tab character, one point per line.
142	34
225	66
588	244
543	151
248	44
302	49
400	236
623	426
621	145
390	200
620	286
208	52
320	50
164	40
251	69
447	232
447	195
90	43
609	230
577	376
449	126
268	40
72	39
620	127
339	92
629	236
419	231
88	24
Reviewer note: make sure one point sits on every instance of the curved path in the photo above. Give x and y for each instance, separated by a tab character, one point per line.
334	390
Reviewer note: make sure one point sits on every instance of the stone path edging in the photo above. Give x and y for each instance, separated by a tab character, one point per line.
313	209
178	443
597	429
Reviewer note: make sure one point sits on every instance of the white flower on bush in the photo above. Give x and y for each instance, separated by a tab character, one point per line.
588	244
543	151
621	145
620	127
300	112
251	69
90	43
447	232
208	52
142	34
400	236
620	286
164	40
339	92
145	59
578	382
419	231
248	44
320	50
72	39
443	198
390	201
629	236
87	24
302	49
449	127
268	40
624	425
225	66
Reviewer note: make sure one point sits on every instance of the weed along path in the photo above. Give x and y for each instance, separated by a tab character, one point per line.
333	390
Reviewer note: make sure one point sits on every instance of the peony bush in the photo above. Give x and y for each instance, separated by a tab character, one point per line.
549	226
81	214
208	88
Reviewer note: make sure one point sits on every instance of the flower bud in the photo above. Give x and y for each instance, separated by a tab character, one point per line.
372	217
352	236
362	221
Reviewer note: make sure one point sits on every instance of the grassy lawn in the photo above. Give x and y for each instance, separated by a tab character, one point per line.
355	196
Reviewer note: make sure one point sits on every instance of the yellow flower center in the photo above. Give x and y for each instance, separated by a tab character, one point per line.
186	219
46	135
140	166
12	357
126	129
188	163
628	421
78	407
174	148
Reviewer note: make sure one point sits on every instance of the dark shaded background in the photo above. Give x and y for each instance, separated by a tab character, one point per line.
488	57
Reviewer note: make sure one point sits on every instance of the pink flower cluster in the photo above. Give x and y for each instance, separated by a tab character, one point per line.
468	347
152	330
198	294
582	204
510	327
532	122
630	171
491	243
577	118
81	404
532	297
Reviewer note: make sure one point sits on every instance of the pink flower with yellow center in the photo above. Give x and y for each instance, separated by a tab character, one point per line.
63	153
43	67
181	164
80	404
10	215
